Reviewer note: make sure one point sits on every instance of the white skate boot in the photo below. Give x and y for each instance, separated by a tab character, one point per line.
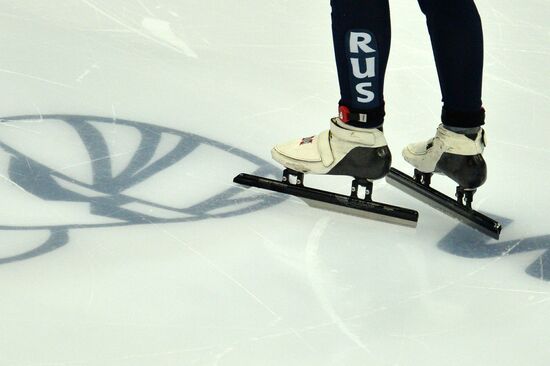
459	157
341	150
455	155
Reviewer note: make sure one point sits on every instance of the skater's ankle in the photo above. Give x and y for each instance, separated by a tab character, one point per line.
462	118
470	132
362	118
354	127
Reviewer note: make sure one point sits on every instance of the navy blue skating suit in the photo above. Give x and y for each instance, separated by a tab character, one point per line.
362	34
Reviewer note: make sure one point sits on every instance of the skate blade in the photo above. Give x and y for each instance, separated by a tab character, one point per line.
443	203
361	213
334	201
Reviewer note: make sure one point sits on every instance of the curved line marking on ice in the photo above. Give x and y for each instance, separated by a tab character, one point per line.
313	264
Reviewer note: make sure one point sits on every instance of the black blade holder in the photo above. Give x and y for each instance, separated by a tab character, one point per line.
465	196
293	177
357	184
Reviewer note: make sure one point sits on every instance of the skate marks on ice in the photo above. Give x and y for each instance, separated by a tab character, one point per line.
109	197
466	242
107	188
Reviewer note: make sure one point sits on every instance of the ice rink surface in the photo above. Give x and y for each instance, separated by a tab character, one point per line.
123	240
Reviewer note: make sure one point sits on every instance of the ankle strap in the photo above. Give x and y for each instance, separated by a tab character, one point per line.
367	118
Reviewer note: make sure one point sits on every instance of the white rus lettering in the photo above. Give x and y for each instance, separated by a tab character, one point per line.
362	89
360	40
369	68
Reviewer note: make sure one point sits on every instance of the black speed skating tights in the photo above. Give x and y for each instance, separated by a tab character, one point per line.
362	35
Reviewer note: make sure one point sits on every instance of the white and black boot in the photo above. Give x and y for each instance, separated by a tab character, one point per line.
458	156
342	150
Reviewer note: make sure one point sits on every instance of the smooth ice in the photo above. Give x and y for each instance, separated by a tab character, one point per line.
123	240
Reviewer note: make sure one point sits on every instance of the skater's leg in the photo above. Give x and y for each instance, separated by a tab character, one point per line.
457	42
361	36
354	145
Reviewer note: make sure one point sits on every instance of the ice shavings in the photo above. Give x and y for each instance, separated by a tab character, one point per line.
163	31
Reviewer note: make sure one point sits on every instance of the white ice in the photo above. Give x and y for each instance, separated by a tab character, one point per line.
123	240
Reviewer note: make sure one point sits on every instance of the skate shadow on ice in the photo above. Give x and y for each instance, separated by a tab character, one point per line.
108	196
466	242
